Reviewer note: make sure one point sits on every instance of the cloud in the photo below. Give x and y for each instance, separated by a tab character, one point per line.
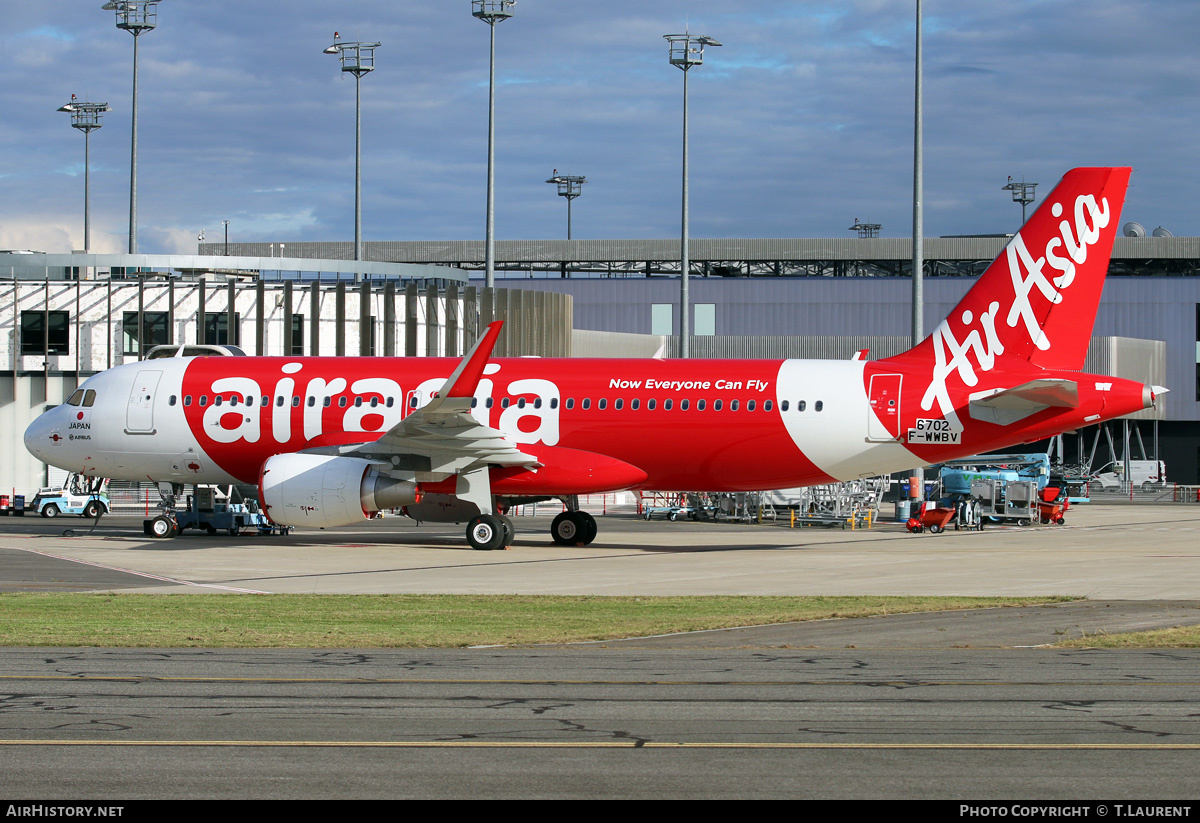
799	122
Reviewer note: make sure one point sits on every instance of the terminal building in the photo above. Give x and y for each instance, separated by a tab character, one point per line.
65	317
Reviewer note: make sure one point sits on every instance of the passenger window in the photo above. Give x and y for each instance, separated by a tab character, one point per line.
203	400
766	405
295	401
342	402
389	402
171	400
820	404
800	406
218	400
474	402
587	403
749	405
266	401
312	401
488	403
619	404
733	405
504	403
570	403
602	404
279	401
650	404
375	402
716	405
521	403
553	402
328	401
783	405
667	404
357	402
699	405
187	400
683	405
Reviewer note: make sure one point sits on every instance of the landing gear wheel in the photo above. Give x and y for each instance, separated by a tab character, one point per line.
566	530
162	526
50	510
590	529
510	530
485	532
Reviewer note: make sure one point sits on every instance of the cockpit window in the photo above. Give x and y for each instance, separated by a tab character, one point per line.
89	397
76	398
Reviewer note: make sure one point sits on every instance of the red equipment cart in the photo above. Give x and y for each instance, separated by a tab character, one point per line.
930	517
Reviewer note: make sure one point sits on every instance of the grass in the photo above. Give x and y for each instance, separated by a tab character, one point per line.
413	621
1180	637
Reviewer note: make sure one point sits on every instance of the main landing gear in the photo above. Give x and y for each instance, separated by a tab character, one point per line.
486	532
573	528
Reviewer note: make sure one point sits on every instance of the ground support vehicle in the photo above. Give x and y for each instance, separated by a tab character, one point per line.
211	511
78	495
669	512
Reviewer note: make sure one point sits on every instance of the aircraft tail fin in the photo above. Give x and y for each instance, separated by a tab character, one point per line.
1037	301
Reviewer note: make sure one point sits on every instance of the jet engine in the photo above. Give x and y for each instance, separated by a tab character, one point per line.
324	491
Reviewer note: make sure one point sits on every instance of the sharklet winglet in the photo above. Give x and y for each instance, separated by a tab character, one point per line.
463	382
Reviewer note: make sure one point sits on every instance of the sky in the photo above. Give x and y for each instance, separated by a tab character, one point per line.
800	122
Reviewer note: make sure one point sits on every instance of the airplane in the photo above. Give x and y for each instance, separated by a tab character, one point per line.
329	442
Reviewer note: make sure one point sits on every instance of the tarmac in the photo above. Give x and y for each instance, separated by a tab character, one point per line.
1138	565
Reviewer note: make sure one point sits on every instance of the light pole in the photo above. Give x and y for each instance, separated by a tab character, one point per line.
86	118
570	187
1022	193
136	17
358	59
918	242
491	12
225	223
686	50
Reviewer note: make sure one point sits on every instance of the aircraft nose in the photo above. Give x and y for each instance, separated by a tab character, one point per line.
41	434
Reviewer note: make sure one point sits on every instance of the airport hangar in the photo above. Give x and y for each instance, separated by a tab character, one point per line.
65	317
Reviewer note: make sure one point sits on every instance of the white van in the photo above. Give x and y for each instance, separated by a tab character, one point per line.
1146	474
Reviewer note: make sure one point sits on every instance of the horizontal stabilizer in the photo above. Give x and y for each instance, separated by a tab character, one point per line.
1006	406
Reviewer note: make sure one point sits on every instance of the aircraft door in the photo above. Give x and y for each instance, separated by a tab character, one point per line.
883	422
139	417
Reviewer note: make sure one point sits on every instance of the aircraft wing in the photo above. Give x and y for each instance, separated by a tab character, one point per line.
1005	406
442	437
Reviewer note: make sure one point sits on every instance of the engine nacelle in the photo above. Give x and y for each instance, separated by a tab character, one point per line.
324	491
